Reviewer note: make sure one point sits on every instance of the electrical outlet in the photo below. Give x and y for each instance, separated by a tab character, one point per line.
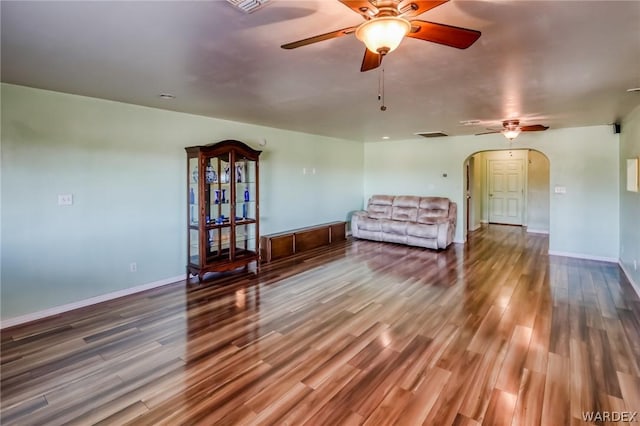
133	267
65	199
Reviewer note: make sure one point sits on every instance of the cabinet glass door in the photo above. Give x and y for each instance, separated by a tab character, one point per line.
245	206
217	208
194	211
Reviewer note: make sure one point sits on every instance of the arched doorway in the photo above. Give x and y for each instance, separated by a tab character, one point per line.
509	187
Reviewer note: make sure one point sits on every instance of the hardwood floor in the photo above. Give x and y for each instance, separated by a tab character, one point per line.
494	332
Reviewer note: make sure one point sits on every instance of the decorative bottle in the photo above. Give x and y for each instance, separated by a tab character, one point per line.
246	194
209	174
224	196
217	196
238	172
194	175
192	200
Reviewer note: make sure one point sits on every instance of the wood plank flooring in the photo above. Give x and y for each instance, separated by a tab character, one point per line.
493	332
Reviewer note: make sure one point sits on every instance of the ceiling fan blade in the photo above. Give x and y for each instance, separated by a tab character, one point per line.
448	35
361	7
321	37
533	128
488	133
370	60
410	8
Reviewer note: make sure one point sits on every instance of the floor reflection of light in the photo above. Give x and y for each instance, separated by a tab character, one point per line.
241	299
385	338
509	399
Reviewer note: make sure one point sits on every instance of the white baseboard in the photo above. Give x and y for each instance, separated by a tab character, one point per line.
475	228
537	231
484	221
459	241
583	256
10	322
634	284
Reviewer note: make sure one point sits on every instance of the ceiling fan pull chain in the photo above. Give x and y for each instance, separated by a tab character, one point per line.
383	107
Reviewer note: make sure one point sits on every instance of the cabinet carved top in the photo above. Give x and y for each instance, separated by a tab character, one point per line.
224	146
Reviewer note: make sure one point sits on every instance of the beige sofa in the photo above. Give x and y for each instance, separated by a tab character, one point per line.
417	221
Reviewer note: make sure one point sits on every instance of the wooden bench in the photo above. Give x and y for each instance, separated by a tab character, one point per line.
283	244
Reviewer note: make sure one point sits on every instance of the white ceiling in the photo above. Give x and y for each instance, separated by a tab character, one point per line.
557	63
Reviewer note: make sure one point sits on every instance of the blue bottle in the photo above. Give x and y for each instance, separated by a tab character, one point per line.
244	211
192	196
246	194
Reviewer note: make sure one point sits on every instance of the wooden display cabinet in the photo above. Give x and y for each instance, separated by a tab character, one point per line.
222	207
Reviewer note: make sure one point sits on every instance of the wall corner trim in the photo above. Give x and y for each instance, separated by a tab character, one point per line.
23	319
635	285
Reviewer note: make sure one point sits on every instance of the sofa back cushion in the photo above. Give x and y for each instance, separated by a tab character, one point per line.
379	207
433	208
405	208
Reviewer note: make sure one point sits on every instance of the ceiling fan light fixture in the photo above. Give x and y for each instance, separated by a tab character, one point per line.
511	134
383	35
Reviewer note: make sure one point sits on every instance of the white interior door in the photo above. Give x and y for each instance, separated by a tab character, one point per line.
506	191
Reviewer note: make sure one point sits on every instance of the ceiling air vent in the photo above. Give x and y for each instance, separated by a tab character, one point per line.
431	134
248	6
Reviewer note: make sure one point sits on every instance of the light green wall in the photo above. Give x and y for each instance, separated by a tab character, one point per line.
630	201
126	168
537	192
475	217
584	221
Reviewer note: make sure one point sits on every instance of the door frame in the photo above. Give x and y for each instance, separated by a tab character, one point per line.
483	187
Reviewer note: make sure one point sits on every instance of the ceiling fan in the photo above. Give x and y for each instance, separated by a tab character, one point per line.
512	128
388	22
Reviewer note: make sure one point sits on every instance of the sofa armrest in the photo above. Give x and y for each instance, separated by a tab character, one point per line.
452	218
355	220
447	226
453	213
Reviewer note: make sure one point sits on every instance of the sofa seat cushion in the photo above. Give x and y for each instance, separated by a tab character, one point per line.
422	230
394	238
430	243
394	227
369	224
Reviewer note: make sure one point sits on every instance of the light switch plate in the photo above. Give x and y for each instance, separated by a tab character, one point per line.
65	199
560	189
